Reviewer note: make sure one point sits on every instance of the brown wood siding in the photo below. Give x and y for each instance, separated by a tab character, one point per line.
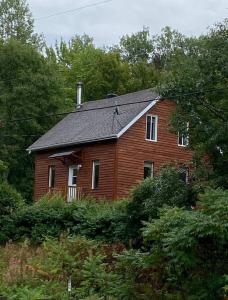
134	149
104	152
121	162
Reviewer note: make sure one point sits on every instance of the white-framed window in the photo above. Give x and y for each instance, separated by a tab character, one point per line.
184	174
183	139
51	177
148	169
72	179
152	128
95	174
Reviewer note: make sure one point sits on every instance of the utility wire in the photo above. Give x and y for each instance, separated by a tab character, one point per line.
110	106
73	10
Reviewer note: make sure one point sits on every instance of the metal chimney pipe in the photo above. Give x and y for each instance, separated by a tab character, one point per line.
79	94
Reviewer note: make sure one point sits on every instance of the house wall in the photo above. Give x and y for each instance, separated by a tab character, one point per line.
121	162
133	149
104	152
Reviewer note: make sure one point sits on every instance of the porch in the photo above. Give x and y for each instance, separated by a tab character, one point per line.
69	193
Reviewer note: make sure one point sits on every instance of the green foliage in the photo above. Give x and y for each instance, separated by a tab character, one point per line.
16	22
10	200
30	86
137	47
185	258
165	189
192	246
51	217
3	171
200	65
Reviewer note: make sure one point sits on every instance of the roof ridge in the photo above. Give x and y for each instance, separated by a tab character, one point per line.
119	96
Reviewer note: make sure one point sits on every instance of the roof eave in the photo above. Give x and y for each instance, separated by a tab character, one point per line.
31	149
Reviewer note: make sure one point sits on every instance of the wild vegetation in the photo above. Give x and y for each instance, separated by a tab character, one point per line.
169	239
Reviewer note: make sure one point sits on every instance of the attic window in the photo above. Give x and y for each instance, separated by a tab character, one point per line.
151	128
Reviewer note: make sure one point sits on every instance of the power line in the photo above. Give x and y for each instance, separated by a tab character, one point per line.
110	106
73	10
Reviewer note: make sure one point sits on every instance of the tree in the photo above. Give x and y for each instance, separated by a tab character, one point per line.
136	47
190	246
196	75
16	22
102	72
137	50
30	86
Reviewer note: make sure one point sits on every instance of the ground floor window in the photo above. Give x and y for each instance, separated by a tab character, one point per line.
95	174
148	169
51	179
184	174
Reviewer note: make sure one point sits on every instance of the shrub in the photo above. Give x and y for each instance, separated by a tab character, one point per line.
51	217
192	246
166	189
10	200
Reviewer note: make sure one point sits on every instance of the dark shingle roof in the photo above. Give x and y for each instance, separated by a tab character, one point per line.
95	120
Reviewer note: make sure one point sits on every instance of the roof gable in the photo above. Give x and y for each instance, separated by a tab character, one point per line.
98	120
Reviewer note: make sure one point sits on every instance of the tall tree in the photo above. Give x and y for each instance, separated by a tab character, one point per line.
16	22
30	86
201	65
137	47
101	71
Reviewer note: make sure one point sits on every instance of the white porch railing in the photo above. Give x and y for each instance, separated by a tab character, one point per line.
70	193
74	194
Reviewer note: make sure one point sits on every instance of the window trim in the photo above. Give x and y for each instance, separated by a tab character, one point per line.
156	127
152	168
95	163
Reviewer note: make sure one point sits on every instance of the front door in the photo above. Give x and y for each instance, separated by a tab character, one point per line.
72	183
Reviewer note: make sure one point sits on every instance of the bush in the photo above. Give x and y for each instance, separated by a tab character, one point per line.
51	217
192	247
166	189
10	202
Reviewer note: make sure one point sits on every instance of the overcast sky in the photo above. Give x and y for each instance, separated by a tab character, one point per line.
107	22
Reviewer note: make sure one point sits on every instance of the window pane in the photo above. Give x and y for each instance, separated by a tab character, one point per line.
148	127
74	180
153	129
74	172
96	171
51	177
184	174
148	169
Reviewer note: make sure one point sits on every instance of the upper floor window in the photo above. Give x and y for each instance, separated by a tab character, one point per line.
51	175
183	138
151	128
148	169
95	174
